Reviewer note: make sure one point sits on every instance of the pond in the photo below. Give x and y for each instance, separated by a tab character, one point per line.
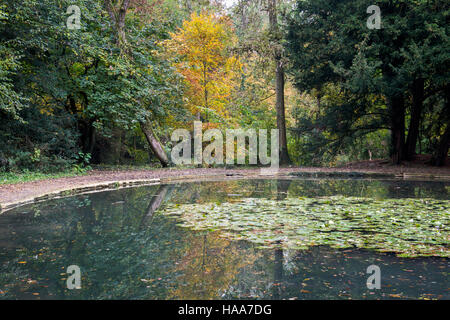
233	239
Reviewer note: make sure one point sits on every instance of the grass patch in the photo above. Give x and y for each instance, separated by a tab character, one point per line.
28	176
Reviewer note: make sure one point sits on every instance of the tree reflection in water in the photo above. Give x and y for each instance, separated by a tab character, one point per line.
126	249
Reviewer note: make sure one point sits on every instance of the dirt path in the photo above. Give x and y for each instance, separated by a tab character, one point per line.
13	194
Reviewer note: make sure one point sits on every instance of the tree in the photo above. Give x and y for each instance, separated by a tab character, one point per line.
262	35
279	80
82	85
329	43
201	52
117	13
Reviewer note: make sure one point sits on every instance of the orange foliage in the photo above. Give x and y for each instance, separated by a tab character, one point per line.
201	51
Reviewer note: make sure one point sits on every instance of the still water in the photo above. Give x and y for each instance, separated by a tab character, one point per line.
128	248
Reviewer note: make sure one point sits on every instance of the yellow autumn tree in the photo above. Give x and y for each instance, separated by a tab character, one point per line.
201	51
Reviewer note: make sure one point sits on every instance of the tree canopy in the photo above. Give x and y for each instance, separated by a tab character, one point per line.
372	79
113	90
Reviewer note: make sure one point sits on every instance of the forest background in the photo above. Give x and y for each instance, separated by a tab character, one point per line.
112	91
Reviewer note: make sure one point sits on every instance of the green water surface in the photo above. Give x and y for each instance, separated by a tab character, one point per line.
242	239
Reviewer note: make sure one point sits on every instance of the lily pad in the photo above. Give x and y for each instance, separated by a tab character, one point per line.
409	227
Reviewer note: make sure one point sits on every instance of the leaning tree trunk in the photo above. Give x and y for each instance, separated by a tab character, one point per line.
155	203
117	13
416	111
154	143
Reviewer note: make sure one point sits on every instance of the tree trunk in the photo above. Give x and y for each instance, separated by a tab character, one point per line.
87	135
441	155
281	120
117	15
189	6
84	127
416	111
155	203
154	143
397	108
278	273
282	189
91	140
279	87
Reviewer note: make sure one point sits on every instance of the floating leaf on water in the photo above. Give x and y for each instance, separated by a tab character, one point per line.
409	227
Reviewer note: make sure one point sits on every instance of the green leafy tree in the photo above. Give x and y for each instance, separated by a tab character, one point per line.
383	74
96	78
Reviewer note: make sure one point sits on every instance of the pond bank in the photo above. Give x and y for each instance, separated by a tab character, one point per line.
14	195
